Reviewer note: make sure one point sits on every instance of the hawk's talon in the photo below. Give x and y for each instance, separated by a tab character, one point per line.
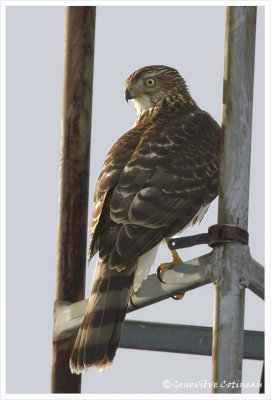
165	266
158	274
178	296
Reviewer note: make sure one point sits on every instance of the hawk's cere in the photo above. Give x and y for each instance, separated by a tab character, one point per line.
157	179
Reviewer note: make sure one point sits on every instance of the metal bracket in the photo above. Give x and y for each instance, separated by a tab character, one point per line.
217	234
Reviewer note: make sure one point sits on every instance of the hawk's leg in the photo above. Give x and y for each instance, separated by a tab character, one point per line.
176	259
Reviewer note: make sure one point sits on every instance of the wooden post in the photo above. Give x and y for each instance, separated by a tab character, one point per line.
73	180
232	259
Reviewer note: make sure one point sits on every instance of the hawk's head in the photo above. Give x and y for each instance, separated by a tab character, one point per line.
149	85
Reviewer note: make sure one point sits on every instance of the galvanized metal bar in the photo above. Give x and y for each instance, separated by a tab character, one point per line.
179	279
233	258
256	278
73	180
187	339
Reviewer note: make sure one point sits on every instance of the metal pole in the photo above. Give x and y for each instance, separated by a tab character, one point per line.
73	180
262	381
233	258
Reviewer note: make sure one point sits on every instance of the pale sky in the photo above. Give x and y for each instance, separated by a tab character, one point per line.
190	39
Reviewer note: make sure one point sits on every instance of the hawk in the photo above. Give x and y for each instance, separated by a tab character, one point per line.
158	178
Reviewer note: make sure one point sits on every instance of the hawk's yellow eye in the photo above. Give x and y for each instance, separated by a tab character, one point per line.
150	82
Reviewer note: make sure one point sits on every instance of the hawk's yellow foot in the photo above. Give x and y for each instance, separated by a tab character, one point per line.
176	259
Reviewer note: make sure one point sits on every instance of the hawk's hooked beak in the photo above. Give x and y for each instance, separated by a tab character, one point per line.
129	94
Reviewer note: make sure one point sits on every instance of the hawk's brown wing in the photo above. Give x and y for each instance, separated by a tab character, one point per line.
172	173
156	177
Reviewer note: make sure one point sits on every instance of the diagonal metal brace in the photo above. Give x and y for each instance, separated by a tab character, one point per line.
176	280
179	279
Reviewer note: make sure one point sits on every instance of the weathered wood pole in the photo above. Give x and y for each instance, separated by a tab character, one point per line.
73	180
232	259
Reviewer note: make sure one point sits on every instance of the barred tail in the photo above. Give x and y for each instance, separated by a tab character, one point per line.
99	335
